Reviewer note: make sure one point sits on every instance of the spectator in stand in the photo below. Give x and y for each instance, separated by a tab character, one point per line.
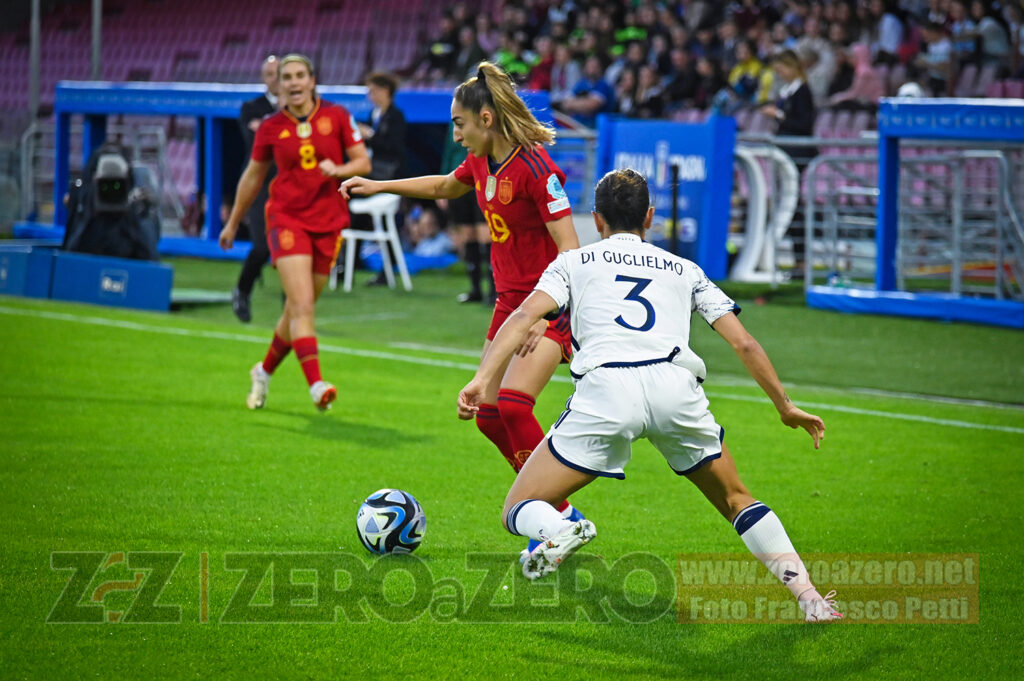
658	55
488	37
631	60
846	18
749	79
936	61
682	84
728	38
509	56
470	54
746	15
938	12
704	44
993	42
867	87
565	73
540	72
649	100
782	38
962	29
884	31
822	68
591	95
1015	20
440	57
625	92
709	83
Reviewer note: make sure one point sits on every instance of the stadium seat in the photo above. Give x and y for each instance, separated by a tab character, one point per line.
382	209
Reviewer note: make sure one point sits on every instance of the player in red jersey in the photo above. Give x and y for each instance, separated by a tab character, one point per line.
314	144
519	189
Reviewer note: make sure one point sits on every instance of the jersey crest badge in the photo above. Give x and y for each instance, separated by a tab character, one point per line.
304	129
284	134
505	191
324	127
286	240
492	185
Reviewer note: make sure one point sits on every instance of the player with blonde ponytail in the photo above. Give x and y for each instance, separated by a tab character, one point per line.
519	189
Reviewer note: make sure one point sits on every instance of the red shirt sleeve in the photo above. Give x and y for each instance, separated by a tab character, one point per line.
549	195
464	173
263	144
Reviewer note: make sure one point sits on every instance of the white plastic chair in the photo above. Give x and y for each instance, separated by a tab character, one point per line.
382	209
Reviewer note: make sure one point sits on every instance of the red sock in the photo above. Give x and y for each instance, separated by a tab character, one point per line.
305	352
524	432
488	420
279	349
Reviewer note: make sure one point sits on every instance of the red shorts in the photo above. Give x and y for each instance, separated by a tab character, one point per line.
558	330
323	246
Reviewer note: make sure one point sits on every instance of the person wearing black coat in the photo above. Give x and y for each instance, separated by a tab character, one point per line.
253	113
794	110
384	136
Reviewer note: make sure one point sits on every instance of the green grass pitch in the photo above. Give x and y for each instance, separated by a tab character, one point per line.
143	505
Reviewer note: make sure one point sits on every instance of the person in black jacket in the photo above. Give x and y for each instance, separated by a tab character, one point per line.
253	113
795	113
384	136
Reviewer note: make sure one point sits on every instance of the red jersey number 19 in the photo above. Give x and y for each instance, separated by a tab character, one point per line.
307	156
499	229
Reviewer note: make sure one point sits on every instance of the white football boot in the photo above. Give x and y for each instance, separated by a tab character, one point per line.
821	609
323	393
260	382
549	554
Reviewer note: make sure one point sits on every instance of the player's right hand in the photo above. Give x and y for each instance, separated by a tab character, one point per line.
794	417
470	399
227	237
358	186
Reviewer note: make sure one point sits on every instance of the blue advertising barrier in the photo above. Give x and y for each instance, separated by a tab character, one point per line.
26	269
116	282
990	120
704	154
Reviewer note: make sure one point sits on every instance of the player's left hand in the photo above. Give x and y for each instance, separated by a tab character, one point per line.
532	338
470	399
794	417
328	167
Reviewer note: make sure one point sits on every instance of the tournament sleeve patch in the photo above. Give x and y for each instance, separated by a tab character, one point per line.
558	204
555	189
356	135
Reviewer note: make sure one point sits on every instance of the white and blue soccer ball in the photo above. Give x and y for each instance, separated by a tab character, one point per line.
391	521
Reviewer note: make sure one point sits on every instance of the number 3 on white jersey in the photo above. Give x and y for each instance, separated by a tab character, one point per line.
634	295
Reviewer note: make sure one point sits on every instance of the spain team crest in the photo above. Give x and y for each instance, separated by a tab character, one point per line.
505	191
286	240
324	127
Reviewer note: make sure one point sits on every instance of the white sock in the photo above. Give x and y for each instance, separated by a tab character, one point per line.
763	533
536	519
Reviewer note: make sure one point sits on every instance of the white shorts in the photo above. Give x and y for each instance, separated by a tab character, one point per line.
614	407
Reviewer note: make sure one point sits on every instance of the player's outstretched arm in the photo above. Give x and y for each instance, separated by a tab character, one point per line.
760	367
423	187
563	231
506	342
248	187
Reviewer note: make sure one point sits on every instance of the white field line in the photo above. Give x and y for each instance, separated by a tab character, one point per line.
425	361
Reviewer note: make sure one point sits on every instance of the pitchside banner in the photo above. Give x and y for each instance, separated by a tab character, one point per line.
704	154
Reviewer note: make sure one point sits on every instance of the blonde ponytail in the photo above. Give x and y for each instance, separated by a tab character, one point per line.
492	87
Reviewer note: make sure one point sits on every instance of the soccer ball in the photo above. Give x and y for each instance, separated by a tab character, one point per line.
391	521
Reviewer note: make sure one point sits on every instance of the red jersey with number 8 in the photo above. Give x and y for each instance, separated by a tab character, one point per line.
517	198
301	197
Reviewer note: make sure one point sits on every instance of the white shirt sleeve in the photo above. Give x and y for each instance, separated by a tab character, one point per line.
555	280
708	300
